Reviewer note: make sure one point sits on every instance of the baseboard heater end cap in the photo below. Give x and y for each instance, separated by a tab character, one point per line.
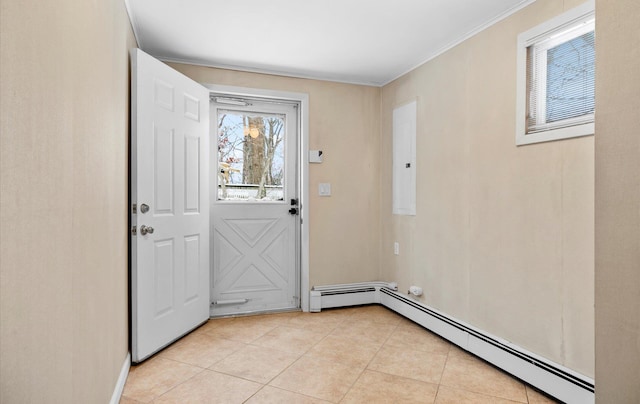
315	301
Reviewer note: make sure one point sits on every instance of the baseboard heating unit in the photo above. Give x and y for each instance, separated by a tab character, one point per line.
554	379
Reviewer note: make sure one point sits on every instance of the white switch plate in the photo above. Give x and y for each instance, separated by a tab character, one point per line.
396	248
324	189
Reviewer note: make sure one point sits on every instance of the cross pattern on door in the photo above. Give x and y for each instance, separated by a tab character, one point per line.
252	256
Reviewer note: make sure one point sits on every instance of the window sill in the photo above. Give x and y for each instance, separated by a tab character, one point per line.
586	129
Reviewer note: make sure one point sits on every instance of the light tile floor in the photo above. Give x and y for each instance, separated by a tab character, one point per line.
354	355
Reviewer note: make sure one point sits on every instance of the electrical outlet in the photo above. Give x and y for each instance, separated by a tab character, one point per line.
396	248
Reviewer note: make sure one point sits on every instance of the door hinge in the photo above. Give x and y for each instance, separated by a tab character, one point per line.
134	231
134	208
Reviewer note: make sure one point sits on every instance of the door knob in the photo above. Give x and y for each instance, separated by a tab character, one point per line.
144	230
293	211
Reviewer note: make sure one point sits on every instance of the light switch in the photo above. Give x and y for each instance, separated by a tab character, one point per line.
324	189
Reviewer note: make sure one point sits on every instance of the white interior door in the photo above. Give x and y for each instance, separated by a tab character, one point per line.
255	225
170	191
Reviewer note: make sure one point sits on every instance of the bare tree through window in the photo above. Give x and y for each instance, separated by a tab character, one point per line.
251	155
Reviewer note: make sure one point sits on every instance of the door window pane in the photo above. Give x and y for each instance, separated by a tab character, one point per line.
250	156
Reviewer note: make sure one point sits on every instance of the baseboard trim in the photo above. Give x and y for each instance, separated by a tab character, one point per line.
122	379
548	376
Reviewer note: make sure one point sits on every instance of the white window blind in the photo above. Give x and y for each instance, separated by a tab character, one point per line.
561	79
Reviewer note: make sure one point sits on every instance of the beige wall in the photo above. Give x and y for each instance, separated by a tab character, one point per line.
617	201
344	228
64	159
503	236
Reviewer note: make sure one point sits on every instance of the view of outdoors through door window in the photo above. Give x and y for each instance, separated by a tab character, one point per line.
250	156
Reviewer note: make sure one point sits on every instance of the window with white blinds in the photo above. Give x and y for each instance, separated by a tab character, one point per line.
556	89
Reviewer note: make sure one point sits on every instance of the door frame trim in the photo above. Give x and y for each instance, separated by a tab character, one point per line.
303	167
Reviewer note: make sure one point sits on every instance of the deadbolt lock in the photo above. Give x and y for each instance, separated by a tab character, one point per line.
144	208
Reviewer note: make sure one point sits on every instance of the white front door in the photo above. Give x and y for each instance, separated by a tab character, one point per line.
170	190
255	222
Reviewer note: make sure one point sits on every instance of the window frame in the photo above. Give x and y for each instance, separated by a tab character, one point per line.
544	34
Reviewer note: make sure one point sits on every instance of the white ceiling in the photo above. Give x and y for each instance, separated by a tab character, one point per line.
357	41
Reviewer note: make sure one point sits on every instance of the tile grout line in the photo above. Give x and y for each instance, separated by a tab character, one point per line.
263	385
359	376
451	345
366	367
251	343
257	391
492	366
435	399
291	364
179	384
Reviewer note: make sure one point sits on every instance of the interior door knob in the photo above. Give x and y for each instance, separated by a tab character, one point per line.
144	230
293	211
